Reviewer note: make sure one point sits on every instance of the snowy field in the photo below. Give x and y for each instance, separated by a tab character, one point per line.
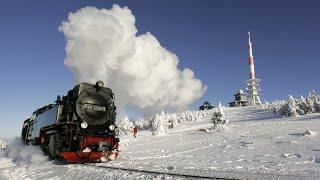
256	145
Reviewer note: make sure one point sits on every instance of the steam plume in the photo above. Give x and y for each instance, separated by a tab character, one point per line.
103	45
25	155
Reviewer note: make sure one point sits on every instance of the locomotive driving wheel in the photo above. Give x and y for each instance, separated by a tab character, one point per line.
54	146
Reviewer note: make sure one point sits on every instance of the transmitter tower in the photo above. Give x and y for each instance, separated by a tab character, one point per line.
253	84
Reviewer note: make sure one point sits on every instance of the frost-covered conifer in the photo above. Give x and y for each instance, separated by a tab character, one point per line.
182	118
278	107
143	123
125	126
303	106
316	105
265	105
159	125
3	145
219	116
310	105
313	101
173	121
292	108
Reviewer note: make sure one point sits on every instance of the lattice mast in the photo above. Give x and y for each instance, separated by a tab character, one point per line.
253	87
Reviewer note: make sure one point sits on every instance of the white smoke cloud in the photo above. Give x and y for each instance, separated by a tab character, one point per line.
25	155
103	45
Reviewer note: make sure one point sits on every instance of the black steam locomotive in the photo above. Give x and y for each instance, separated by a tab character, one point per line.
78	128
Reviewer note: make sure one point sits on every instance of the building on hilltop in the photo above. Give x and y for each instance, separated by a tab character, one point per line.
206	106
240	99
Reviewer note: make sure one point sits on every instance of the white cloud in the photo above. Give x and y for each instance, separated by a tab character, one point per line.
103	45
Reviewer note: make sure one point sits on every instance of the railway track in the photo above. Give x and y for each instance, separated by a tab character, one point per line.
187	176
215	174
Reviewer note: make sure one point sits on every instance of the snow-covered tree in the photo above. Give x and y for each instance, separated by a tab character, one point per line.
173	121
3	145
125	126
292	108
159	124
219	116
278	106
265	105
310	105
143	123
303	106
314	101
316	106
296	107
182	118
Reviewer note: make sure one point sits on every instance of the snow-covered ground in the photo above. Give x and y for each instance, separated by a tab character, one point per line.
256	145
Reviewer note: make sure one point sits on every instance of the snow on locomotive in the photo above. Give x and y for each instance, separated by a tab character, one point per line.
78	128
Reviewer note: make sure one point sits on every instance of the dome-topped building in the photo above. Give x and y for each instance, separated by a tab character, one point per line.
240	99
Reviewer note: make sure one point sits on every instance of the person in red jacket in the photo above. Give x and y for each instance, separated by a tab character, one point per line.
135	130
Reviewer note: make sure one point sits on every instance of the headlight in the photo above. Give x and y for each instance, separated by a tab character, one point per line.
112	127
84	125
100	84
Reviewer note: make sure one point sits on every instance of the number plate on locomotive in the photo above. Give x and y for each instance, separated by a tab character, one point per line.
94	107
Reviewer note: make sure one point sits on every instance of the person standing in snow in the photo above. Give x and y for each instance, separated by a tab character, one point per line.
135	131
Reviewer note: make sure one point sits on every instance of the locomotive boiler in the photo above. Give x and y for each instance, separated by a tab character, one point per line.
79	127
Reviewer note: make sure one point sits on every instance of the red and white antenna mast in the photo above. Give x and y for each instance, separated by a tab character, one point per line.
251	59
252	83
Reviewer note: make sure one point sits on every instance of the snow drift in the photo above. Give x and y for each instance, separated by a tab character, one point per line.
104	45
25	155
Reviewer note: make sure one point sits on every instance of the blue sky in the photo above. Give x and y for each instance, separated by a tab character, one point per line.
208	36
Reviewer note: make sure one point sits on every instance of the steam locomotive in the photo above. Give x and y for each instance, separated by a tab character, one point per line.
78	128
